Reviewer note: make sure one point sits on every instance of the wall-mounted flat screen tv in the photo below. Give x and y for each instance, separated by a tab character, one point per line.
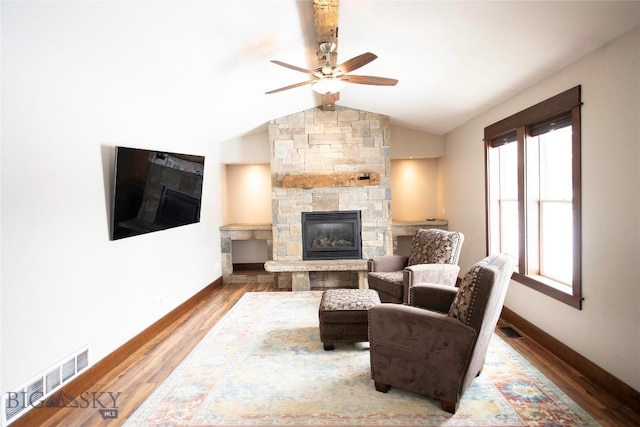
155	190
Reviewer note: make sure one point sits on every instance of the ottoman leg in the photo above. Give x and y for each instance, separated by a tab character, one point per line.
327	346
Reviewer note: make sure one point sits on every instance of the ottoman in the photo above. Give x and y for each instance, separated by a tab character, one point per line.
343	315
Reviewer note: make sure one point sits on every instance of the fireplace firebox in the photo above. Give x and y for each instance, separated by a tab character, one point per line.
331	235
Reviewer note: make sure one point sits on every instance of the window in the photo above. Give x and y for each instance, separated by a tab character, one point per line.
533	195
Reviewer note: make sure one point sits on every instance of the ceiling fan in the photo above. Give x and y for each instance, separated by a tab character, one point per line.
328	78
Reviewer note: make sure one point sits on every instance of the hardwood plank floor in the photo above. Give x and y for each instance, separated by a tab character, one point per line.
137	376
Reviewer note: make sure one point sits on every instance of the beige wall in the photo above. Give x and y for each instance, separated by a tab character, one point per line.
247	194
413	189
605	330
409	143
250	148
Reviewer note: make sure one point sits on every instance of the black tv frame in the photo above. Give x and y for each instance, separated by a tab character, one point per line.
154	190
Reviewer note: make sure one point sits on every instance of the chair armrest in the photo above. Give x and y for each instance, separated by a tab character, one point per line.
387	263
432	296
435	338
443	274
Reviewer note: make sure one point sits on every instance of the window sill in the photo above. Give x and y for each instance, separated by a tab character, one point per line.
550	288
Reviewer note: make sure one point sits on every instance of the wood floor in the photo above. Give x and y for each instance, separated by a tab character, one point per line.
143	371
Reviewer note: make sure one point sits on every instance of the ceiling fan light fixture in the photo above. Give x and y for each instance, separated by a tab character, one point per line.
328	85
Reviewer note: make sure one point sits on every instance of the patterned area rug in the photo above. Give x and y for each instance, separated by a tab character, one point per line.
263	365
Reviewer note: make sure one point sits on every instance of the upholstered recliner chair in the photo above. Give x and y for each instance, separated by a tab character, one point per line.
437	345
433	259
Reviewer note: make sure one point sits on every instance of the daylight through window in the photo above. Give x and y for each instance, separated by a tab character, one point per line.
533	195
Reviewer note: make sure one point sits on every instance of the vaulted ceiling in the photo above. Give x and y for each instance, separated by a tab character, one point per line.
207	64
453	59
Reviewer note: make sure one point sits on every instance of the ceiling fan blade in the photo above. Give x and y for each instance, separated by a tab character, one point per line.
290	87
356	62
370	80
293	67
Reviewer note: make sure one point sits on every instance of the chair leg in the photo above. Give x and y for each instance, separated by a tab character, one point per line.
450	407
327	346
382	388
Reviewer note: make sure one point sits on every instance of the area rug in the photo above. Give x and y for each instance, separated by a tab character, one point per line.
263	365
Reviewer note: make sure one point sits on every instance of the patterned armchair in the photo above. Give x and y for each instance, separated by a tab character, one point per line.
437	345
433	259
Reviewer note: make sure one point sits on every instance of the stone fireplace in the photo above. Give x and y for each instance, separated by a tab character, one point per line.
330	161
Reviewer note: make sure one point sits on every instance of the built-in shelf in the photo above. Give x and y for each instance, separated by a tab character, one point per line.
409	228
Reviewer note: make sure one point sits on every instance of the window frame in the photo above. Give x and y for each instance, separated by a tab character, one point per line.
566	106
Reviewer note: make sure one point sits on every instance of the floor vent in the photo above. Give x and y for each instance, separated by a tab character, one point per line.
20	400
510	332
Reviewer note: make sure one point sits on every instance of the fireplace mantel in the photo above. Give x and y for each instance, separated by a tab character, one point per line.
320	180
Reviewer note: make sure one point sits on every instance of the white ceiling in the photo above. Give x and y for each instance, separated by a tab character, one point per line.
206	64
453	59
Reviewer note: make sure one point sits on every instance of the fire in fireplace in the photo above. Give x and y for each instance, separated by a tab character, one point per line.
331	235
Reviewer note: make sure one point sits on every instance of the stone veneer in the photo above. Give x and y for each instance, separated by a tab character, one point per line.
231	232
330	142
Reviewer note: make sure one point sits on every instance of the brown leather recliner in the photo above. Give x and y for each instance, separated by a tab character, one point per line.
437	345
433	259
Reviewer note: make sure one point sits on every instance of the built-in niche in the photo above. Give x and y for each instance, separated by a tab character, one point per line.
247	194
414	189
249	256
242	246
246	238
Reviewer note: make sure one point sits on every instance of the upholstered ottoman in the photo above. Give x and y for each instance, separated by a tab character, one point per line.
343	315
